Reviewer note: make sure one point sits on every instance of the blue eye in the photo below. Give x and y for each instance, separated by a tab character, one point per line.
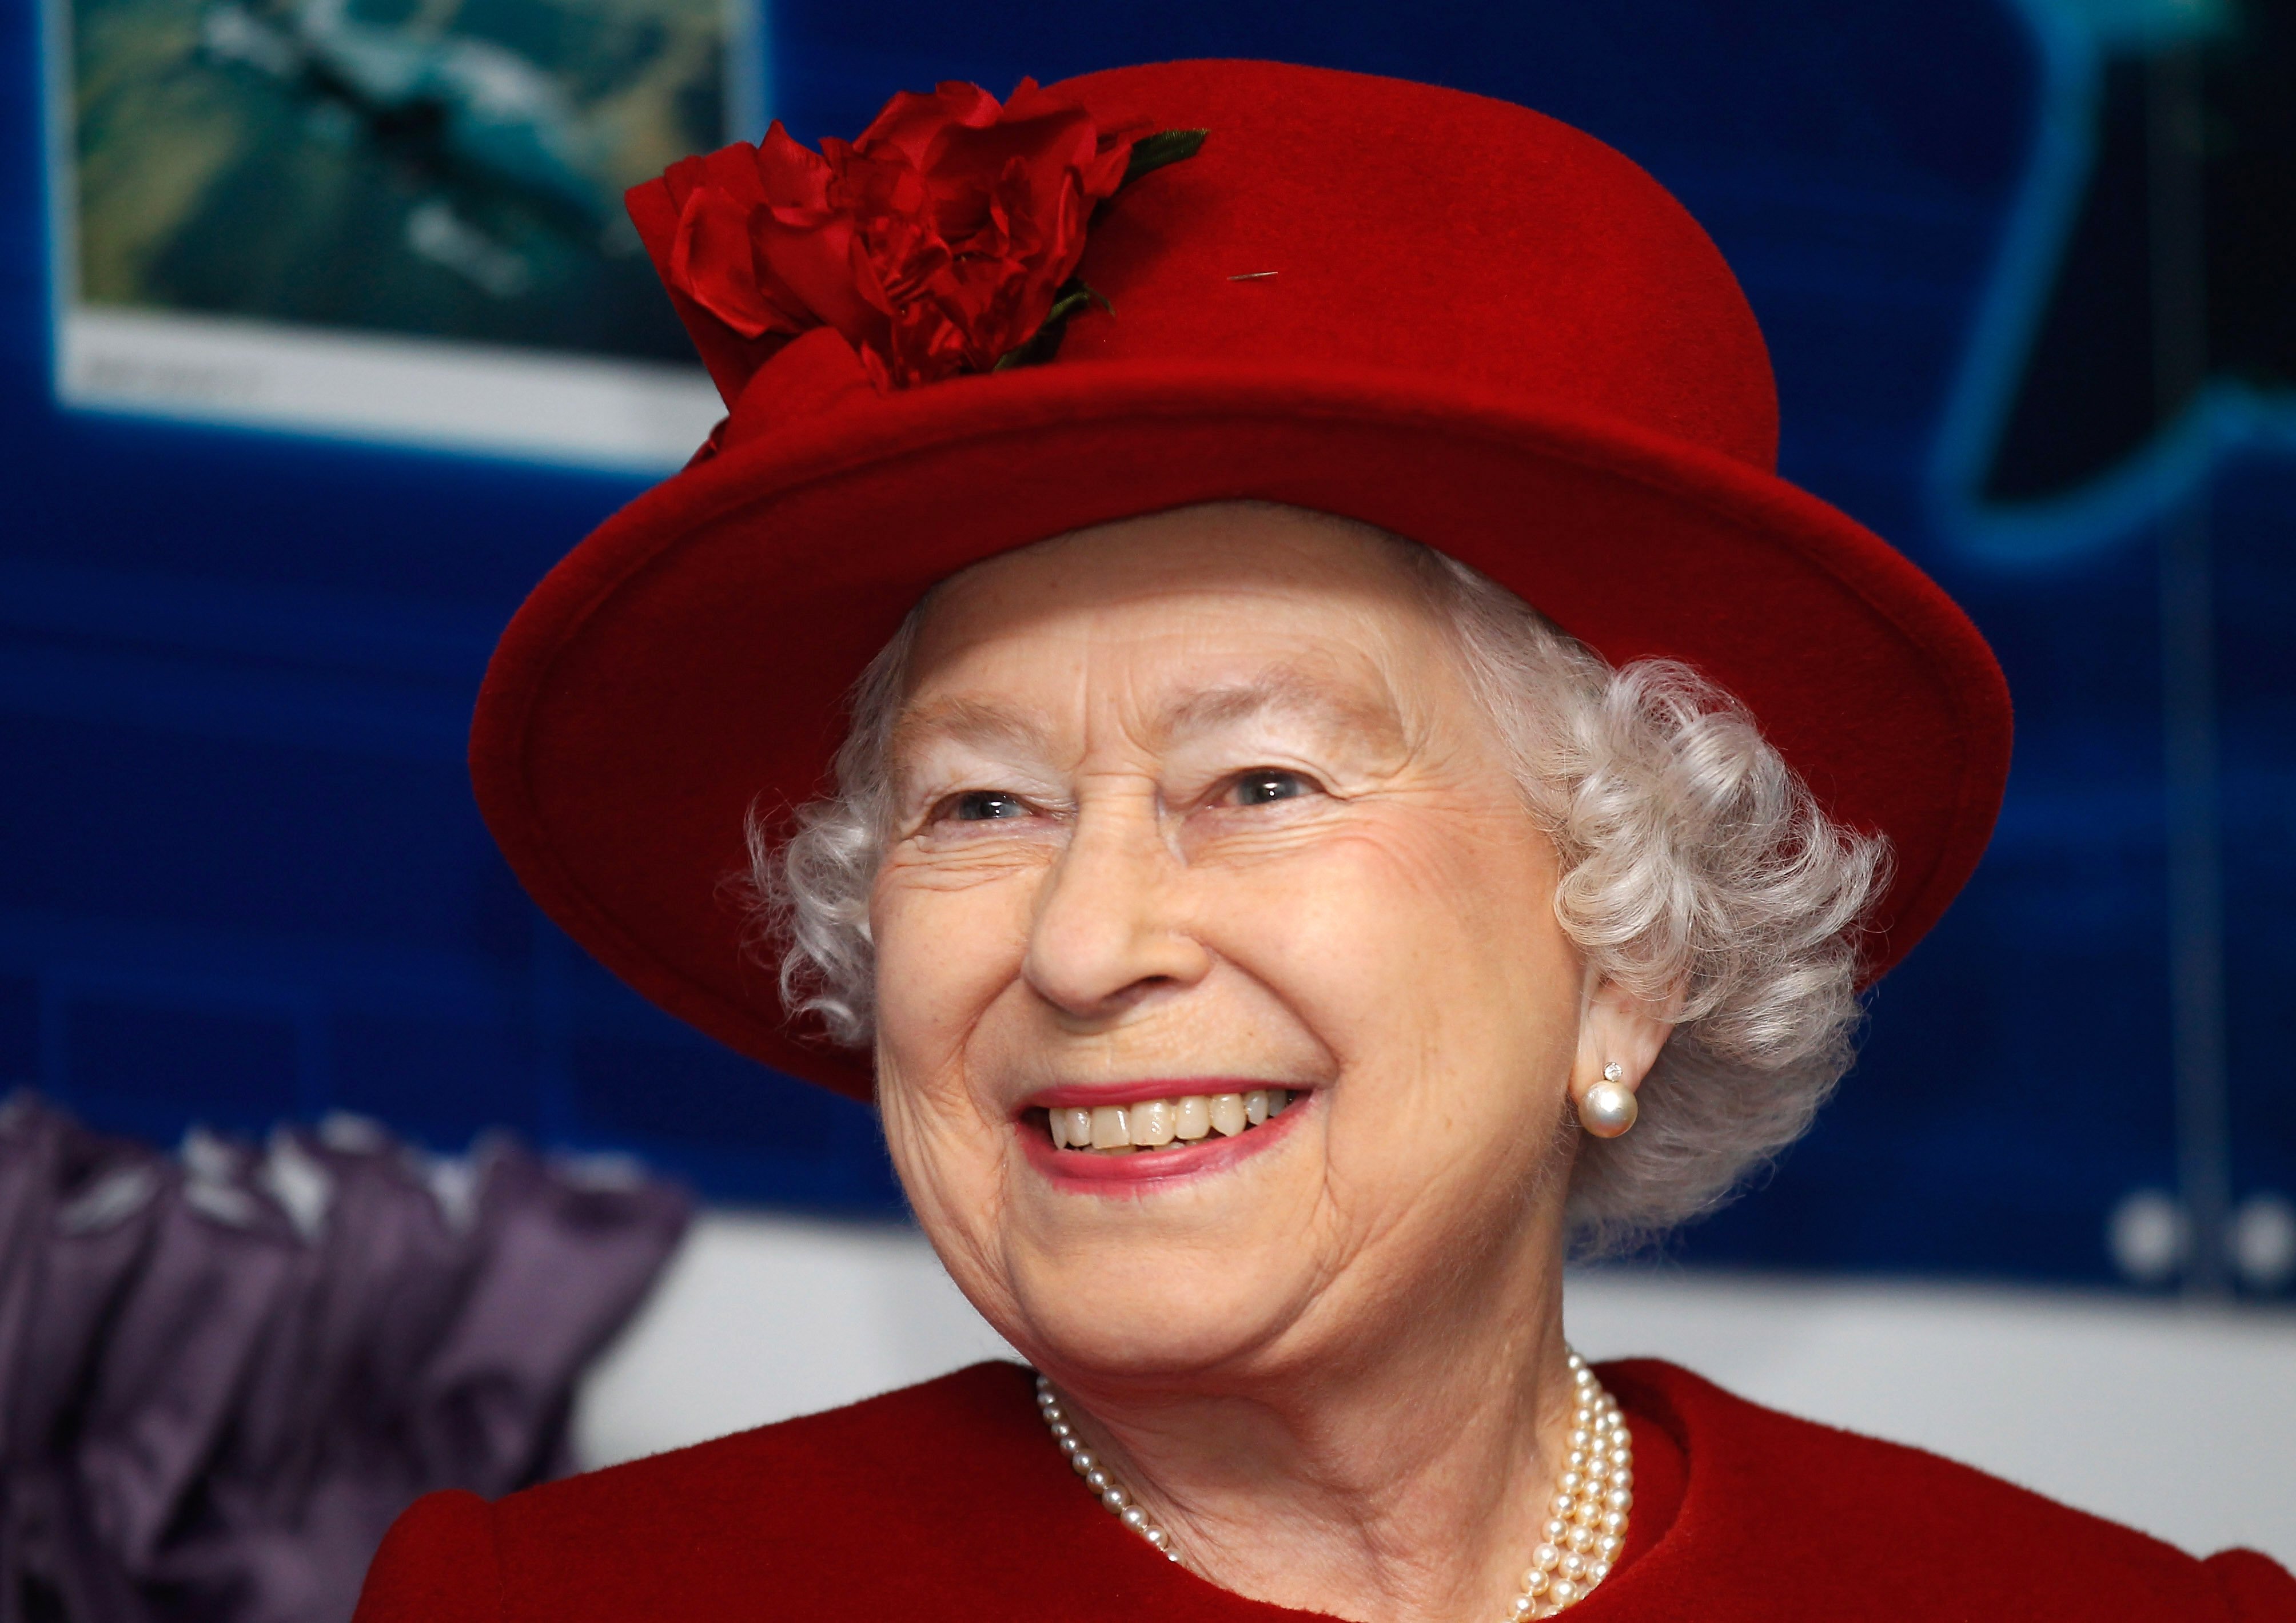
986	805
1266	786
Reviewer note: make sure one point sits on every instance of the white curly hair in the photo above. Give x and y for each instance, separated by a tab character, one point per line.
1696	866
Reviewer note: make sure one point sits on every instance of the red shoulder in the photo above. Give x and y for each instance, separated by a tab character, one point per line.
437	1565
2257	1588
935	1501
1853	1528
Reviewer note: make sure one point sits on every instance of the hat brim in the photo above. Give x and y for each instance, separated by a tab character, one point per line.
690	659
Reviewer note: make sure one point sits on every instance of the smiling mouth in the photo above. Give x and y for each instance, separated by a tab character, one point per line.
1150	1126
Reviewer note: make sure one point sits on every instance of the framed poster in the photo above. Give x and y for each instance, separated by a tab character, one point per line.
398	220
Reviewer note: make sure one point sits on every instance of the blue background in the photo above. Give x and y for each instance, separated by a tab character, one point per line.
241	878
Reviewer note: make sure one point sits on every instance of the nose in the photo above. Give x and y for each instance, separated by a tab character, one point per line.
1108	933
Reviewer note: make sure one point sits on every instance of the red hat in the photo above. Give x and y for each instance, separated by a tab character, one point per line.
1445	315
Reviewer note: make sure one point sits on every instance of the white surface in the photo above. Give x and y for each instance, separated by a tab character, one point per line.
761	1318
423	392
2178	1422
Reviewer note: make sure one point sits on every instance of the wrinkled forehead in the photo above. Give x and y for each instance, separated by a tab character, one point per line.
1186	622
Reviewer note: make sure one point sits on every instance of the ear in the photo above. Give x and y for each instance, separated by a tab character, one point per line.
1616	1027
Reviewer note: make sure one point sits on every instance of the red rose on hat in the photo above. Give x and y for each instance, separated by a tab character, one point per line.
938	243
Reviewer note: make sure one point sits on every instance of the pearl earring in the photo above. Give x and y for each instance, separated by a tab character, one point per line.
1608	1108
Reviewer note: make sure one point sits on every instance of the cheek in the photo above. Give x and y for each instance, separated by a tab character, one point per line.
943	955
1426	953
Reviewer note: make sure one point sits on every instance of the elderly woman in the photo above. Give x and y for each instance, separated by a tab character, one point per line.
1357	778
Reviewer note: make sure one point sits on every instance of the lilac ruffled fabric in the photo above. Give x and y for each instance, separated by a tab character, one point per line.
222	1374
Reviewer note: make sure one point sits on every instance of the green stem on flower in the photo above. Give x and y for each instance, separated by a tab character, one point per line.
1153	152
1072	296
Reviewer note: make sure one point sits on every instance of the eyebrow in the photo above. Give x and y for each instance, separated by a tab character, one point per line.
988	722
1281	689
982	721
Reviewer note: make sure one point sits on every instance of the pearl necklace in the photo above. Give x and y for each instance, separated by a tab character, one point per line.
1586	1520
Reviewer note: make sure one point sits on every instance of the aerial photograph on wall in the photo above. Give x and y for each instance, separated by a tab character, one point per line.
444	169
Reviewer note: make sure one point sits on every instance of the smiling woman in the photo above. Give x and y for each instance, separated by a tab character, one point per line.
1700	878
1270	942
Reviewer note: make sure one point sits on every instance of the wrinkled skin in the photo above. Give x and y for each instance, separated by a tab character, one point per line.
1206	795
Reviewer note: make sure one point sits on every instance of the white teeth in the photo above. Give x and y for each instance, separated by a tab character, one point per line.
1151	1122
1156	1124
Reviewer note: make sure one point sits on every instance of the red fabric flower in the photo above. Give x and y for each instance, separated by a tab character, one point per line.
935	244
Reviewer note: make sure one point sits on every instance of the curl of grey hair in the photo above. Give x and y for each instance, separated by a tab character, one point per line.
1696	866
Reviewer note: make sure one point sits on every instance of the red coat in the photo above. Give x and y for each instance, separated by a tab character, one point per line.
947	1501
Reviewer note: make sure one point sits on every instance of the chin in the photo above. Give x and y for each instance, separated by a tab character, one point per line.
1150	1314
1146	1335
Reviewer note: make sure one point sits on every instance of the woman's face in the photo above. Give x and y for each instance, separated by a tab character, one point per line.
1199	805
